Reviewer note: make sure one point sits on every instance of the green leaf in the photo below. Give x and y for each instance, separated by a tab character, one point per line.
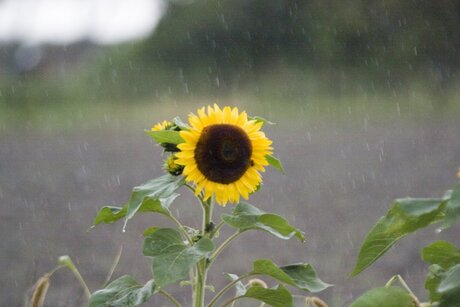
443	253
405	216
109	214
239	286
449	287
154	196
384	297
451	282
172	258
124	291
301	276
275	162
246	217
166	136
276	297
262	120
149	231
452	208
435	274
179	123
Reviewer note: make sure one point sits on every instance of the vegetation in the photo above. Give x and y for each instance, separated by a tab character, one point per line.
210	47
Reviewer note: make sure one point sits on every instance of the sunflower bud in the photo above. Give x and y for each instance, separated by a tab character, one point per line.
40	291
171	167
314	302
257	283
167	126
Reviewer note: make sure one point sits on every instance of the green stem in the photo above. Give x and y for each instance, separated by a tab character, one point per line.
114	266
224	245
67	261
82	282
231	300
401	281
217	229
202	267
225	289
169	296
190	188
181	228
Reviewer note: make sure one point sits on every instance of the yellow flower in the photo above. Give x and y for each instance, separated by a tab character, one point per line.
162	126
223	153
458	173
171	166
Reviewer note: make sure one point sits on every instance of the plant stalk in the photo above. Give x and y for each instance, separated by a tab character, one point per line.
202	267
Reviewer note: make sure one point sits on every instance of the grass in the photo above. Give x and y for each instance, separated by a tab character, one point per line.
142	113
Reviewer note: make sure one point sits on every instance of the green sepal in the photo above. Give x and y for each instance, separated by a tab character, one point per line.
245	217
384	297
166	136
262	120
405	216
171	257
180	124
124	291
301	276
275	162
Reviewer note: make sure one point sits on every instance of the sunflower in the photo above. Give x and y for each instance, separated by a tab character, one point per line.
223	153
164	125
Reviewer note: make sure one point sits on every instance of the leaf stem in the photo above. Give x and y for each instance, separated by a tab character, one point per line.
224	245
67	261
217	228
114	265
181	228
225	289
189	187
170	297
401	281
231	300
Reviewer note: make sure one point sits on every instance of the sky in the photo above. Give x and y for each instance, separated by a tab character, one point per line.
61	22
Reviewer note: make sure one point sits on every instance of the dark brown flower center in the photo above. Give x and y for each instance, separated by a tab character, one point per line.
223	153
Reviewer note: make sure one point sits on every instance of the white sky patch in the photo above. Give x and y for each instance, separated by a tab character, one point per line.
67	21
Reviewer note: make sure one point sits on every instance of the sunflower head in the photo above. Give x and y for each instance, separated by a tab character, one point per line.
164	125
223	153
167	126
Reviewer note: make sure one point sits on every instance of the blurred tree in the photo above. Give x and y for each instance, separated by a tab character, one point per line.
207	46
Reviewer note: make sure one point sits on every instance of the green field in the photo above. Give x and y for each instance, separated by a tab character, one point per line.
346	159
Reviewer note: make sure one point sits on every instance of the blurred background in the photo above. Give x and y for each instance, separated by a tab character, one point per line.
365	95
